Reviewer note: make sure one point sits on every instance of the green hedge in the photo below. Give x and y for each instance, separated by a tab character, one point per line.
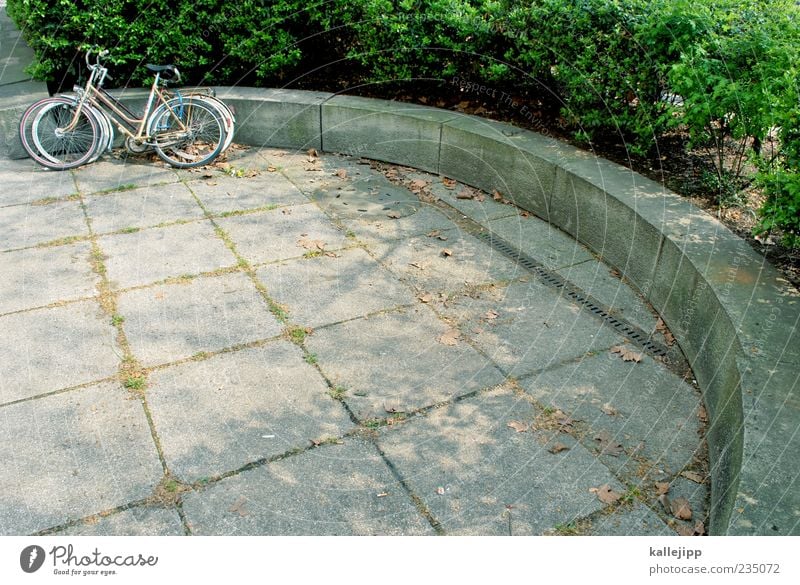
610	66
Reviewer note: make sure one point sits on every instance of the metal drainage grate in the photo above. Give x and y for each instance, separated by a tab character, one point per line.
577	295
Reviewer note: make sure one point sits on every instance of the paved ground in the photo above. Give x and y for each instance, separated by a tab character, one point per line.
293	344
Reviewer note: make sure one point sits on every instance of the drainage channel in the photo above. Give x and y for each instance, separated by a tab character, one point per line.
636	335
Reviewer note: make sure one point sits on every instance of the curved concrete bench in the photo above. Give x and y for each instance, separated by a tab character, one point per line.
733	315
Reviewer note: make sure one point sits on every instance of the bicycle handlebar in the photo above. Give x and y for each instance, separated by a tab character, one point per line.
100	55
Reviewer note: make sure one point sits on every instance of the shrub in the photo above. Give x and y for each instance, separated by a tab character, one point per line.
213	41
610	66
736	78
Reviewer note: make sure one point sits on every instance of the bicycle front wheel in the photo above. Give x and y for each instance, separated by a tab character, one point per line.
190	135
63	140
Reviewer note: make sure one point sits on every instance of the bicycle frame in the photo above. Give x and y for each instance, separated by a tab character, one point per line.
94	94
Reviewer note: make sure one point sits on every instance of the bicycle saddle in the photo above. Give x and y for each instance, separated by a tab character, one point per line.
170	70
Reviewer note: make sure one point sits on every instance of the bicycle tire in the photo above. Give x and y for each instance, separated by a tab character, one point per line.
61	150
227	117
26	124
106	141
221	108
199	144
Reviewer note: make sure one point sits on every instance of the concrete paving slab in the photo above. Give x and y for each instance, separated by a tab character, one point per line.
480	211
697	495
633	520
599	281
14	58
653	413
274	235
222	194
138	521
24	182
323	290
534	328
218	415
111	175
49	349
423	221
394	362
478	476
547	244
143	207
36	277
155	254
434	265
333	490
22	226
70	455
167	323
358	200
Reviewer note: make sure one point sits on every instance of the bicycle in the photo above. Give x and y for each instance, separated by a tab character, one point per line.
66	131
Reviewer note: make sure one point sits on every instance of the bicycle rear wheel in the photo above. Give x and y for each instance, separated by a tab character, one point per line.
219	106
191	135
58	142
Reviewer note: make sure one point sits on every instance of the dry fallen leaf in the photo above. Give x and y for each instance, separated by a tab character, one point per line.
464	194
518	426
433	234
426	298
699	528
238	506
563	420
605	494
271	169
311	244
607	444
662	487
496	195
341	173
692	476
393	215
417	185
609	410
558	448
662	328
450	337
449	183
626	354
447	252
681	509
